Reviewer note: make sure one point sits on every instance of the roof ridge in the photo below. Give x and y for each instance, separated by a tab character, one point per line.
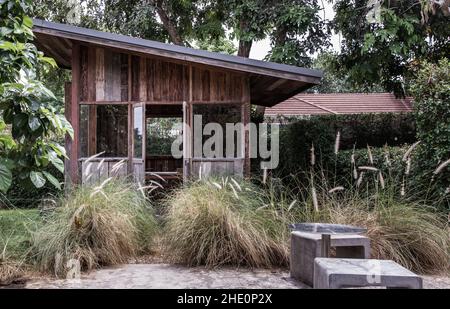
317	105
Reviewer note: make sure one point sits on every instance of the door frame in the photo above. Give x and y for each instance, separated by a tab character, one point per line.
133	159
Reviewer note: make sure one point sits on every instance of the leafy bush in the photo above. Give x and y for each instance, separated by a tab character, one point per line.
96	225
23	194
356	131
224	223
431	91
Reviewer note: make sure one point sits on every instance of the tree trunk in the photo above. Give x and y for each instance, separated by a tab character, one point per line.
167	23
244	48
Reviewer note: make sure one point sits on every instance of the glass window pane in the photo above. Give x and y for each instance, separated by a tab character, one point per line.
111	136
220	114
161	133
84	124
137	131
112	130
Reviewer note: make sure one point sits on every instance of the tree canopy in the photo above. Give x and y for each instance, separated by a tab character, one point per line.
383	40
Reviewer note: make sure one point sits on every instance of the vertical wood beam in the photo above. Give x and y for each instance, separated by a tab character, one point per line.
75	113
130	124
68	139
246	120
91	97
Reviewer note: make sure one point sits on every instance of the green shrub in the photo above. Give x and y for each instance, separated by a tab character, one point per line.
102	225
356	131
25	195
431	91
224	223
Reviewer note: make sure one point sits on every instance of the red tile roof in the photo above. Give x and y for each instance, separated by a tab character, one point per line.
340	103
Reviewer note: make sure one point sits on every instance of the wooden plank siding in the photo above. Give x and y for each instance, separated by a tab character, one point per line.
104	78
111	76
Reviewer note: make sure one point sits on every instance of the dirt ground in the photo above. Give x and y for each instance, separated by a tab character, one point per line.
161	276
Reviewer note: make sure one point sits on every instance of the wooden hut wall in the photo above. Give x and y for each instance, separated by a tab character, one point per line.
105	78
109	76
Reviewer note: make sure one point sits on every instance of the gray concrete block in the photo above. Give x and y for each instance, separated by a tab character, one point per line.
336	273
305	247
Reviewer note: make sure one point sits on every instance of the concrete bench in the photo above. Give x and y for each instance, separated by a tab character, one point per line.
305	247
332	273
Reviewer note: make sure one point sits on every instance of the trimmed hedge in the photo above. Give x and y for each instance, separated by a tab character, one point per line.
431	91
356	131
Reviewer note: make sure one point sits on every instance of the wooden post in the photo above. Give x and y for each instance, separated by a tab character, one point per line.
246	118
130	119
68	139
75	113
90	75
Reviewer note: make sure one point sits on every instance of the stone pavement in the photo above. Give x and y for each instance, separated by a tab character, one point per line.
162	276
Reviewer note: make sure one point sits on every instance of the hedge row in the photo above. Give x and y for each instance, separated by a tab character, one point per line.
356	131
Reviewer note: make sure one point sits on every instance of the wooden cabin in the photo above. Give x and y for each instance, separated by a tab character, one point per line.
121	84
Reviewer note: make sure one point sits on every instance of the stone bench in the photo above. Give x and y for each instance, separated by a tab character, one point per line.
305	247
332	273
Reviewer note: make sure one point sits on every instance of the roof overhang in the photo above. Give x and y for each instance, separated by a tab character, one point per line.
270	82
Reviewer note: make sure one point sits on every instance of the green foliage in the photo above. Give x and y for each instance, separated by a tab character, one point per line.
299	31
15	227
103	224
336	78
161	133
297	137
431	91
219	45
381	52
29	121
22	197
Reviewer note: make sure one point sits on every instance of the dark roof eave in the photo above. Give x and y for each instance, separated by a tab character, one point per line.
314	75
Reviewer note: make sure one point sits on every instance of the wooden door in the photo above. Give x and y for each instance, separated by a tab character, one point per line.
139	137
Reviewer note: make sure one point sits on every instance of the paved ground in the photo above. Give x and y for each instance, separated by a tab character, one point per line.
154	276
162	276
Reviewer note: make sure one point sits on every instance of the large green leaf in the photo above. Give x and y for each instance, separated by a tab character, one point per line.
58	163
37	179
34	123
52	180
5	178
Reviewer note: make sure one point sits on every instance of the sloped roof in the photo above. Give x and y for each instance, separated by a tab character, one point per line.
270	82
340	103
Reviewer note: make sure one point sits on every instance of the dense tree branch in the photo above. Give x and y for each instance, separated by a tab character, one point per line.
167	22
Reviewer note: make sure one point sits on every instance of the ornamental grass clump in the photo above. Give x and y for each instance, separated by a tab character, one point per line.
10	269
96	225
224	222
410	233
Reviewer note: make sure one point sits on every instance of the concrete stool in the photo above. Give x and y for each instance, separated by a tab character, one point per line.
305	247
332	273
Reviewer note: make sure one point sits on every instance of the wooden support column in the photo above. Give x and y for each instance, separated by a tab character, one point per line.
91	97
246	118
75	113
130	120
68	139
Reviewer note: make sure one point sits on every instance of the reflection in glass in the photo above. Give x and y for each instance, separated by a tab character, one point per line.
111	134
137	131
